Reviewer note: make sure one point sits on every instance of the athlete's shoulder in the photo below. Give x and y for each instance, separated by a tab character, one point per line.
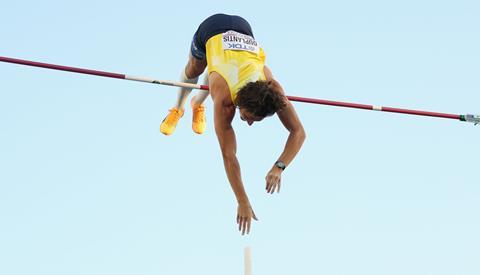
268	73
269	77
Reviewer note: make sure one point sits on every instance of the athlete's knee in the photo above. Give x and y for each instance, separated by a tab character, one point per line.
195	67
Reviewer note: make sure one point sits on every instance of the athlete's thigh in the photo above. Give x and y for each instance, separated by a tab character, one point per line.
195	67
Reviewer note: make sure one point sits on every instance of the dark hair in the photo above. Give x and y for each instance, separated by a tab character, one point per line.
261	98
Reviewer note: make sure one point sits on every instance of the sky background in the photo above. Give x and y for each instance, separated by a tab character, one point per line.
88	185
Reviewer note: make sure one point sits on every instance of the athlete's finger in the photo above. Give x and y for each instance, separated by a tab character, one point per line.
244	226
277	186
272	189
245	223
240	225
269	183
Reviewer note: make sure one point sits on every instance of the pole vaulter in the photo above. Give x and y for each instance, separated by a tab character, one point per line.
467	117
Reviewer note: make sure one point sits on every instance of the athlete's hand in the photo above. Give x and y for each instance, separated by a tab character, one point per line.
273	179
245	215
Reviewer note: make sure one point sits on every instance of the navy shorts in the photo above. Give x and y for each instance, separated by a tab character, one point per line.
213	25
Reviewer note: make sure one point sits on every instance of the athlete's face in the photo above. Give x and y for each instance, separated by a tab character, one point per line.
248	117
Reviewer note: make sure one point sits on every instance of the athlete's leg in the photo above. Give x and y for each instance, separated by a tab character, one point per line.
195	67
201	95
199	121
197	63
190	74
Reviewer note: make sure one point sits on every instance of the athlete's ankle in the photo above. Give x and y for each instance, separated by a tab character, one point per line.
195	102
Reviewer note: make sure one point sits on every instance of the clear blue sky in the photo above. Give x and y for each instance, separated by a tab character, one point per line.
88	185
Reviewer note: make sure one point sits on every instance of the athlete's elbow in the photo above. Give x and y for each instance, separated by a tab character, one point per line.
299	134
303	135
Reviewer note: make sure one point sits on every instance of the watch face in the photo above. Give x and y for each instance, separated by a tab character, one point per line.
280	165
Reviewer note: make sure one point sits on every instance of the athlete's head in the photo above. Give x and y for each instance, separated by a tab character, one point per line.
258	100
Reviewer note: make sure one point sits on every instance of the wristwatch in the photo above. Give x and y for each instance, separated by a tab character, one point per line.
280	164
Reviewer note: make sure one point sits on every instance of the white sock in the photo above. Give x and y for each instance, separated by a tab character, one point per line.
201	95
184	92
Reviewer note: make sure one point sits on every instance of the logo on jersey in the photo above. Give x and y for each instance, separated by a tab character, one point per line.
233	40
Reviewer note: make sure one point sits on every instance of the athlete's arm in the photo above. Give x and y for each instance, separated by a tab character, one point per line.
223	116
228	145
291	122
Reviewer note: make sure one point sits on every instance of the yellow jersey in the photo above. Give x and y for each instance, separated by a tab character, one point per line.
237	58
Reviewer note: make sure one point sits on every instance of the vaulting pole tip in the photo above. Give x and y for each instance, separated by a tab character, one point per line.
248	260
475	119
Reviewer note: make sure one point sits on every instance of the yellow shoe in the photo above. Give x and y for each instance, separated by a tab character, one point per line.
170	122
199	122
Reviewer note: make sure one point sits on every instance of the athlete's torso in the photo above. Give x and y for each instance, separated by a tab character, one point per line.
237	58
